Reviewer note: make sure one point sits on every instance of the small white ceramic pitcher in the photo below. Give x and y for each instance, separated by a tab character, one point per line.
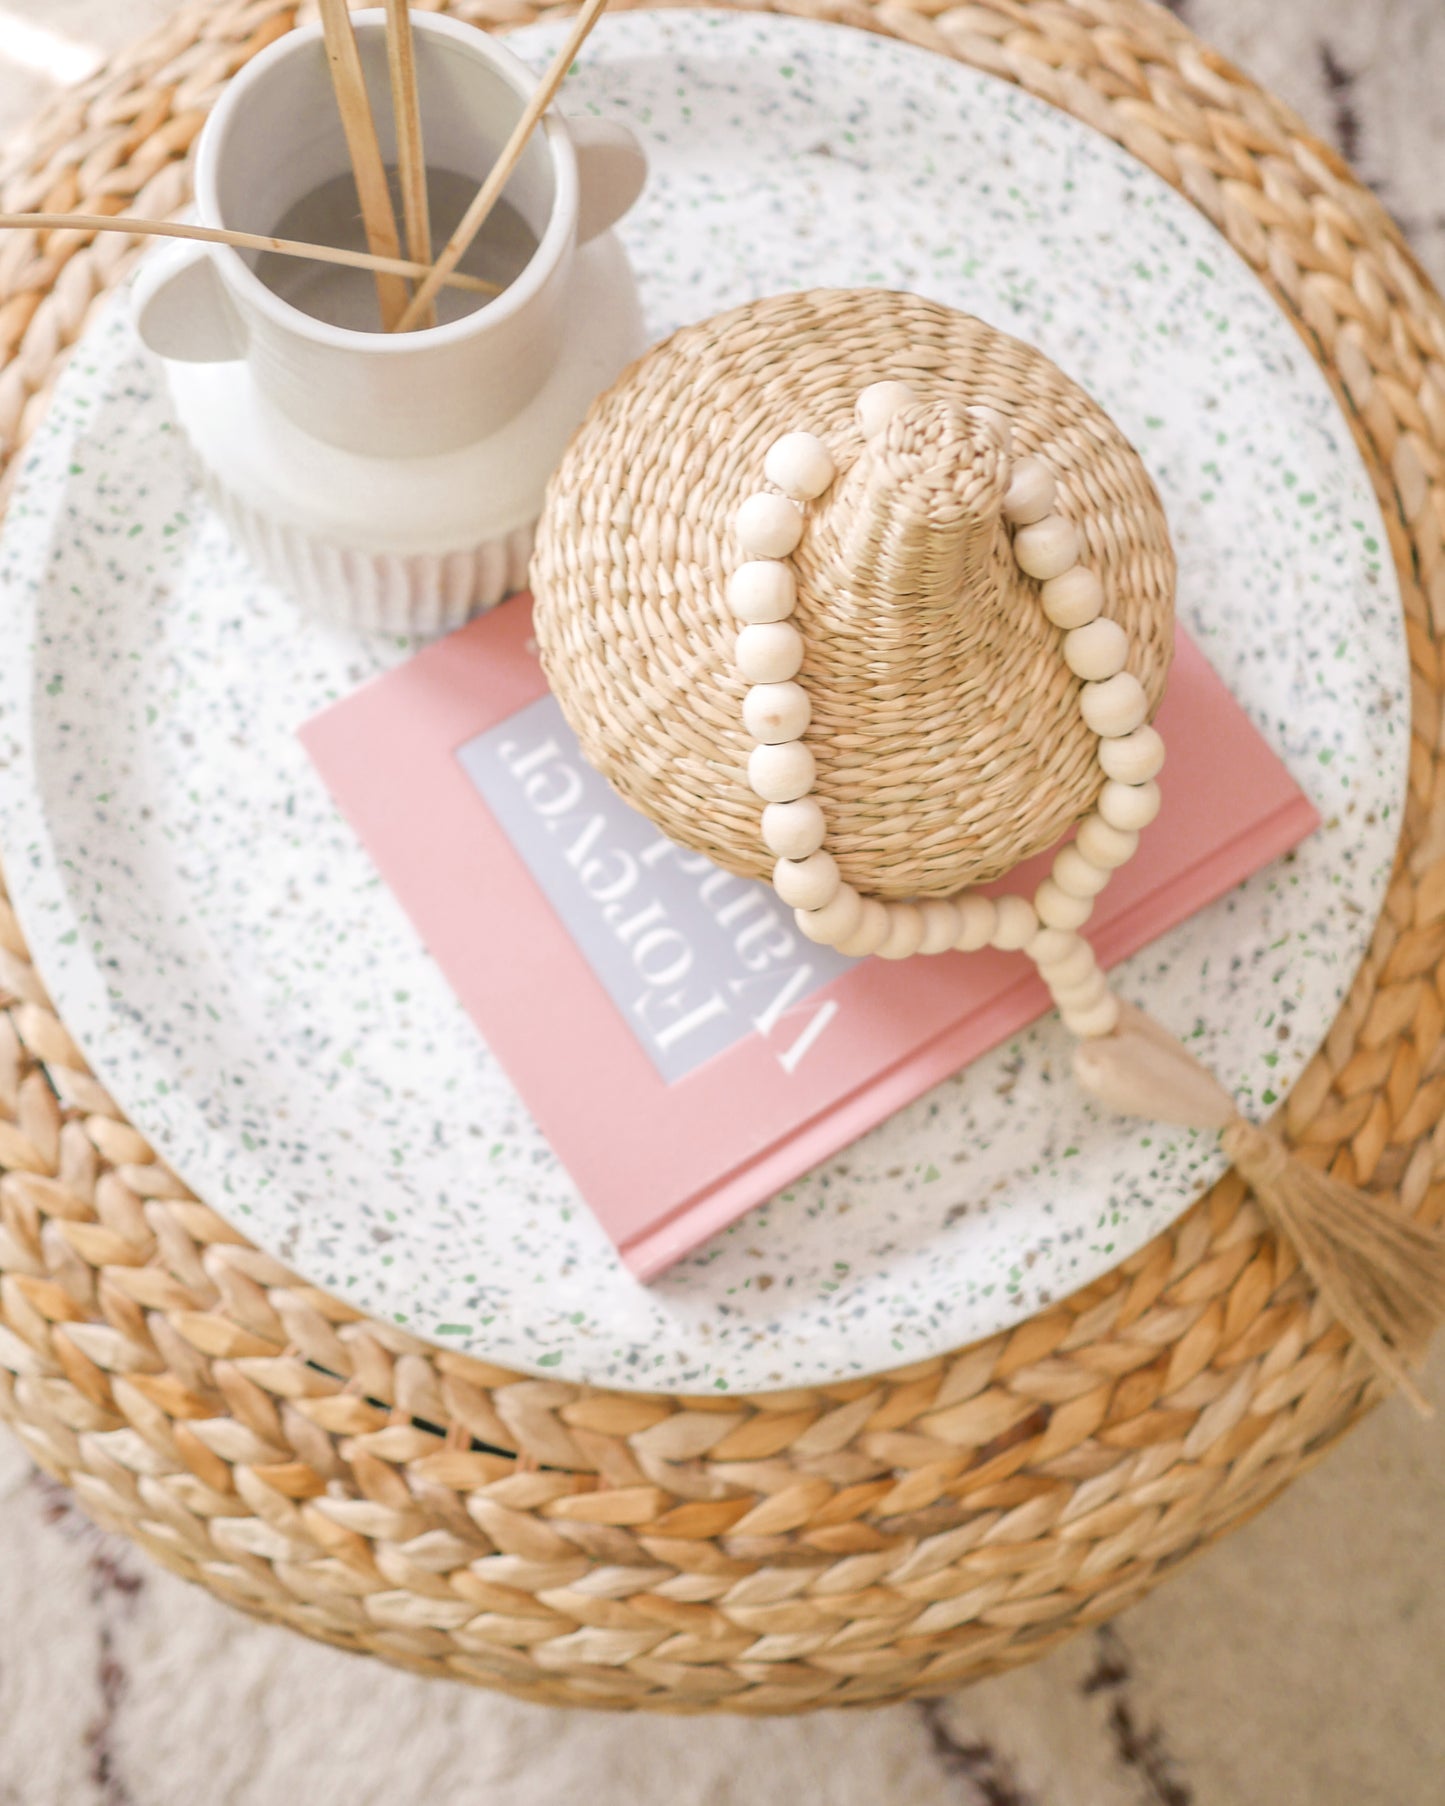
350	462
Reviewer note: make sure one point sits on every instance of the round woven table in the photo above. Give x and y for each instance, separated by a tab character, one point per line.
824	1547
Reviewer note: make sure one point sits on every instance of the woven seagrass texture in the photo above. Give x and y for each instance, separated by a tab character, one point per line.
945	722
836	1545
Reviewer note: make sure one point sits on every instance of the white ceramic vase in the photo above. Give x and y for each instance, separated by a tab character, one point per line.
391	480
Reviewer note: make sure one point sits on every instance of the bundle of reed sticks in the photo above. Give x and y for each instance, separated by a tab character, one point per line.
406	285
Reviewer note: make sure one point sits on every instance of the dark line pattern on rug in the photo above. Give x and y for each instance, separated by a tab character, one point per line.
988	1773
1349	128
112	1583
1138	1748
1344	114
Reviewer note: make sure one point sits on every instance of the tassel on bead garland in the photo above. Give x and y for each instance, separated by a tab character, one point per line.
1382	1274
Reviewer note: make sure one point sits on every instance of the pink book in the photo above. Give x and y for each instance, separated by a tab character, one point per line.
684	1049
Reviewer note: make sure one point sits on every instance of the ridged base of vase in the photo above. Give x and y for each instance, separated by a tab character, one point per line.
417	593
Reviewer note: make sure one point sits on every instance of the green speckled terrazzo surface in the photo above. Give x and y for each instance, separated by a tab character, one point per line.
255	997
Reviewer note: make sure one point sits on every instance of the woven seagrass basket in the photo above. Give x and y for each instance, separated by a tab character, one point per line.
829	1546
956	746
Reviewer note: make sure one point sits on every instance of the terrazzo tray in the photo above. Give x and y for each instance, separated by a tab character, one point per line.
256	999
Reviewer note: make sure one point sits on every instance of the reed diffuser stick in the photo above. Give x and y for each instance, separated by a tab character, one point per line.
242	241
410	154
366	165
490	192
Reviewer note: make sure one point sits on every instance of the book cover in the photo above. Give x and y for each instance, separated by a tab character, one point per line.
684	1049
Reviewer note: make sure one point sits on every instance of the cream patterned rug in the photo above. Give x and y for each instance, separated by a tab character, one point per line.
1301	1663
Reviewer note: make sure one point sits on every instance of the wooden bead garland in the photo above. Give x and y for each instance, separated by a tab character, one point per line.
1057	909
837	921
1030	494
1075	876
871	932
1135	758
782	774
1129	806
770	652
1051	946
940	925
877	405
769	526
1114	707
800	465
976	919
1073	598
905	931
1015	924
809	883
1095	651
762	594
777	714
793	830
763	590
1048	548
1102	845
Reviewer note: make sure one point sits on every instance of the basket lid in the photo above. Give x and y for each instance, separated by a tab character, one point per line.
945	724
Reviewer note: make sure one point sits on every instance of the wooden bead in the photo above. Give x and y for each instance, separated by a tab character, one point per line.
1030	494
1083	994
807	883
793	830
836	922
1096	651
1073	873
940	925
1048	548
774	713
1072	968
762	590
781	774
871	932
769	653
801	465
1050	945
769	526
1134	758
1114	707
1129	806
1073	598
905	932
877	405
1015	924
1057	909
1101	845
976	918
1096	1022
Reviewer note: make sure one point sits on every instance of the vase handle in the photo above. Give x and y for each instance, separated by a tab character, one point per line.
611	172
182	309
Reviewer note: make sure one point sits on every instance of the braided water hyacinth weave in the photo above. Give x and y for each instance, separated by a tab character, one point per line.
772	1553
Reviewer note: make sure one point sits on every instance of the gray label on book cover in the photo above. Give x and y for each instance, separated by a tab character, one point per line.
694	958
